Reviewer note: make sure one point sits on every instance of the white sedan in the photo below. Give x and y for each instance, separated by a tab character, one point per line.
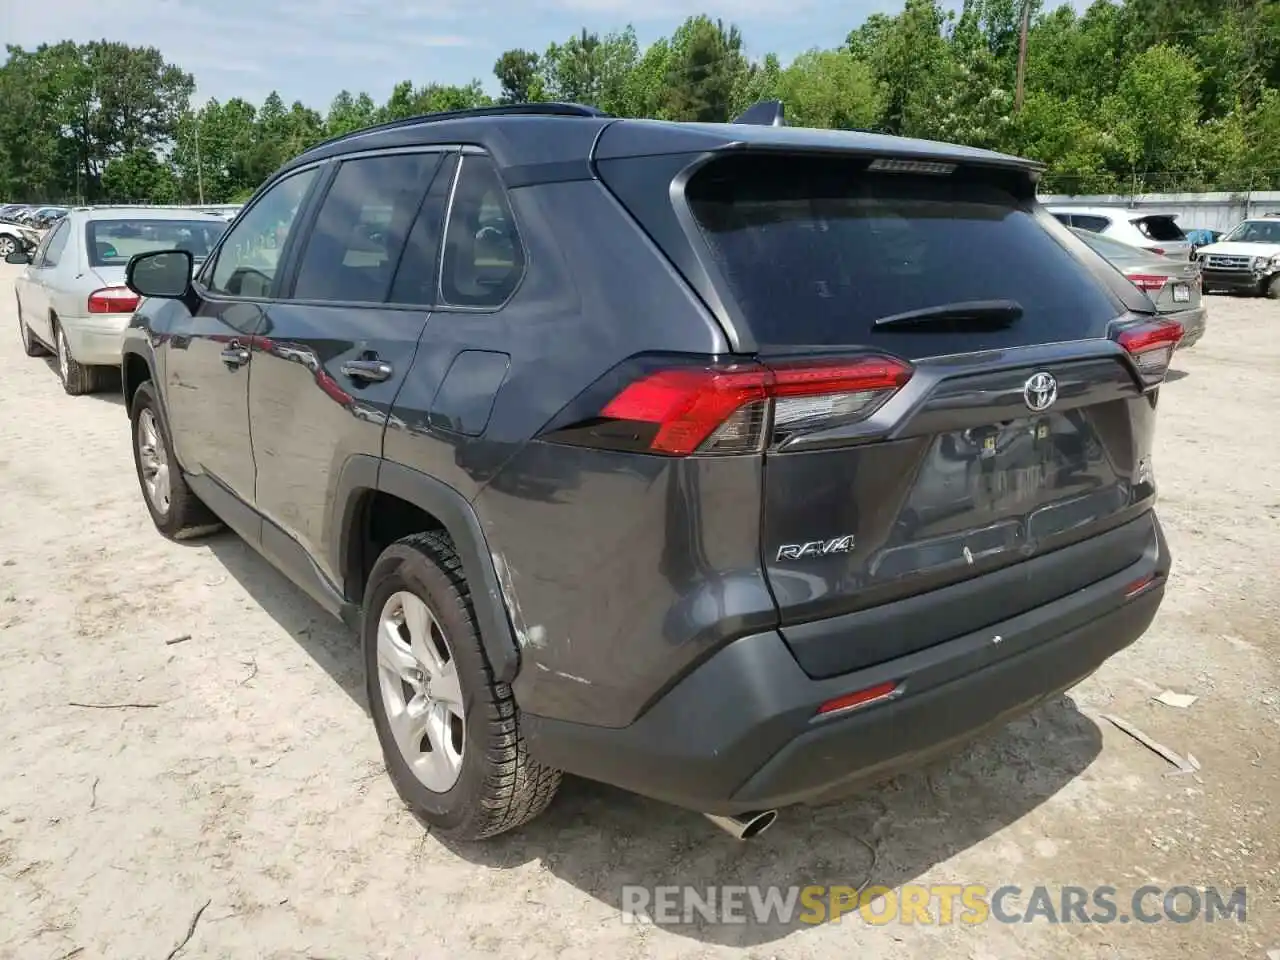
72	300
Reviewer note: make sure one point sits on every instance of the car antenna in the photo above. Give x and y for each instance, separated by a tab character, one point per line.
766	113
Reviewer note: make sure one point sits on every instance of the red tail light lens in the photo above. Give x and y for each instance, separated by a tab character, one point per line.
1159	251
861	698
113	300
1151	344
1148	282
726	409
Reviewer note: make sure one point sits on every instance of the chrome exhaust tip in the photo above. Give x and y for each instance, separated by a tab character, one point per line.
745	826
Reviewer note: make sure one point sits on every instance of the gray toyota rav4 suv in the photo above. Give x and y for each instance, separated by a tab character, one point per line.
737	465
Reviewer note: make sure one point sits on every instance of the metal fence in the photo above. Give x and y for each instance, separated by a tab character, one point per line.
1208	211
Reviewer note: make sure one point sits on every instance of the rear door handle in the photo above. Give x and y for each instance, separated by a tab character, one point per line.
370	370
235	355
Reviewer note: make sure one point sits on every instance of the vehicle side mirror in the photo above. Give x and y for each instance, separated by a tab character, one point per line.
160	273
18	257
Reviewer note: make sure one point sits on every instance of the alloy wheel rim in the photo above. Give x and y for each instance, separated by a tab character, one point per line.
154	462
7	246
421	694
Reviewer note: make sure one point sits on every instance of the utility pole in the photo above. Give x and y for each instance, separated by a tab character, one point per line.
1022	55
199	171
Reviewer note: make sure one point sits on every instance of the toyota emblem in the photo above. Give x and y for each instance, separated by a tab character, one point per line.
1040	391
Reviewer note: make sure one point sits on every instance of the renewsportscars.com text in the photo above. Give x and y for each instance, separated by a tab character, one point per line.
938	904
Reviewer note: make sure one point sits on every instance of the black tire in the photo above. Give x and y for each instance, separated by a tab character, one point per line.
77	378
1272	288
185	516
499	786
30	345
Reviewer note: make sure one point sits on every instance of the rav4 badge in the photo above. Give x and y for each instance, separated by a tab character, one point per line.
816	548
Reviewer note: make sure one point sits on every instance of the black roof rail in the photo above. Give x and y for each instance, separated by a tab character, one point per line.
553	109
766	113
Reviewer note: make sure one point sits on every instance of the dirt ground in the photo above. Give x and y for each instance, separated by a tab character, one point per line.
249	779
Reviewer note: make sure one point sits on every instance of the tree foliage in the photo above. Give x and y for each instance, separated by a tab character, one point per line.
1128	95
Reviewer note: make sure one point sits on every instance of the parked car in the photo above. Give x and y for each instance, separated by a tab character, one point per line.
1156	232
10	211
16	237
1172	285
617	447
72	299
1246	260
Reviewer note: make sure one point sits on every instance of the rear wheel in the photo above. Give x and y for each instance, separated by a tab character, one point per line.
77	378
449	733
7	246
175	510
30	346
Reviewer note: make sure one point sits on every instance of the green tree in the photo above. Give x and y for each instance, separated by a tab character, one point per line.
705	66
518	75
829	88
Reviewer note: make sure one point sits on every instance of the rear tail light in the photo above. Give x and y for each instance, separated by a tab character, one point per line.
721	409
1147	282
1159	251
1151	344
113	300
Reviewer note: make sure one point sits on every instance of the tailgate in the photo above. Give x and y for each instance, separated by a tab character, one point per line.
1018	426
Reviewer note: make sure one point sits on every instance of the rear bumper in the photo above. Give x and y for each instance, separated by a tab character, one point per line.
739	733
1193	324
96	340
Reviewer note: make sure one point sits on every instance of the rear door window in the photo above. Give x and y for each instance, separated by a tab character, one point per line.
815	250
1091	223
1160	228
359	234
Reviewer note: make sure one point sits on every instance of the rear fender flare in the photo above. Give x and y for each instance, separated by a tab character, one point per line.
363	473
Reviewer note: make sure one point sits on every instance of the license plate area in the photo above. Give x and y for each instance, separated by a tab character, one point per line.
1181	293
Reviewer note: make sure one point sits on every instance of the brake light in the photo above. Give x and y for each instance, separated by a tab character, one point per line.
726	408
1151	344
1159	251
113	300
1147	282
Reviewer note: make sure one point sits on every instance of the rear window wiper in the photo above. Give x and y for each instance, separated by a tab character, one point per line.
1000	312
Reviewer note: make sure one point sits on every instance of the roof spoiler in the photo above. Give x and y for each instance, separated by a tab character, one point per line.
766	113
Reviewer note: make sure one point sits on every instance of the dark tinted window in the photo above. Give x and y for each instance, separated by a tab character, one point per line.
1086	222
1160	228
415	279
815	250
483	260
112	242
1063	218
356	243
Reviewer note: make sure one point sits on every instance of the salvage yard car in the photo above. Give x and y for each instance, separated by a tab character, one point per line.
72	300
736	465
1173	285
1246	260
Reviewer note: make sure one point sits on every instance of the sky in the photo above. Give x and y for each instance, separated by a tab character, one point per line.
309	50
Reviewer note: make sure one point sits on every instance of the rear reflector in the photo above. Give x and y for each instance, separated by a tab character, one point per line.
1151	344
1138	586
725	409
113	300
861	698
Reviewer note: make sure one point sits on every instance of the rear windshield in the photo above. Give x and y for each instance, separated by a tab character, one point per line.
1113	250
112	242
1160	228
816	249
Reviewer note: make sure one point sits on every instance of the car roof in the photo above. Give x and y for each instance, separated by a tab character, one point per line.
143	213
547	142
1111	212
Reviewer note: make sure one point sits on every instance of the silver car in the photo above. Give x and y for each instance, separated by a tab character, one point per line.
72	300
1174	286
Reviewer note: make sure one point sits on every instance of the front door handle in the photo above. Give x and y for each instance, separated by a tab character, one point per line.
370	370
235	355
